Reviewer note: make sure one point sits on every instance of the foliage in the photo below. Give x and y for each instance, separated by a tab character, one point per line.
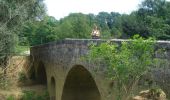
154	14
150	20
4	83
126	63
13	14
30	95
10	97
22	77
38	32
21	49
49	29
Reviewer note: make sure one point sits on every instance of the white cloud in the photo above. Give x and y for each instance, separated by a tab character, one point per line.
61	8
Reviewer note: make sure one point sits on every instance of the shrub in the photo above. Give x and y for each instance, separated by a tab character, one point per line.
4	82
31	95
10	97
22	77
126	62
28	95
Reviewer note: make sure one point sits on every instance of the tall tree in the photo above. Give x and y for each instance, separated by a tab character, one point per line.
13	14
39	32
157	7
154	15
76	25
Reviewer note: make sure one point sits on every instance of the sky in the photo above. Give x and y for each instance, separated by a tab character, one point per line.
62	8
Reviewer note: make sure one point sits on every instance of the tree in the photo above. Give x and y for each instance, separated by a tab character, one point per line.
13	14
157	7
151	19
125	63
76	25
39	32
158	28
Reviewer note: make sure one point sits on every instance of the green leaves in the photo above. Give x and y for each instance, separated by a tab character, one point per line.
126	62
13	14
49	29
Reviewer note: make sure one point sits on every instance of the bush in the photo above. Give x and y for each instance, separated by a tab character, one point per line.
28	95
10	97
126	62
22	77
4	82
31	95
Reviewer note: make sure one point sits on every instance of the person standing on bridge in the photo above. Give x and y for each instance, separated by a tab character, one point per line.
95	32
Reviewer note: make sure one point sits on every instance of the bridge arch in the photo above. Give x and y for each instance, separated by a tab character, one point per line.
53	89
41	74
80	85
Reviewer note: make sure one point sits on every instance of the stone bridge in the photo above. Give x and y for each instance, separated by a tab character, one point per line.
60	66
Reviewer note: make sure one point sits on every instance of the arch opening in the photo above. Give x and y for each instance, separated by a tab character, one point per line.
53	89
41	74
80	85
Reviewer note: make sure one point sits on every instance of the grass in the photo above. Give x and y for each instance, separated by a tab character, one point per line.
31	95
10	97
22	77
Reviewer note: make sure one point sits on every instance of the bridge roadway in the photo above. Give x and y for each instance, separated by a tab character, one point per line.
59	65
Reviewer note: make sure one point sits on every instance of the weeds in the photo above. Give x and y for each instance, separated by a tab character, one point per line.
31	95
4	82
22	77
10	97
